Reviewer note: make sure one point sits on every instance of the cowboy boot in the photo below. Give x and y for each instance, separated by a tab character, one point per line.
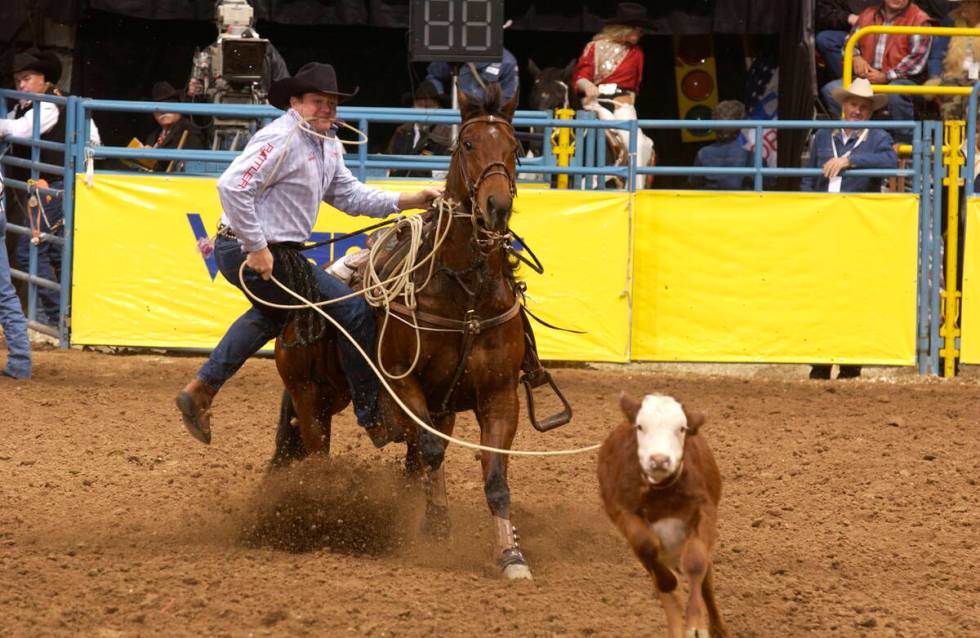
194	403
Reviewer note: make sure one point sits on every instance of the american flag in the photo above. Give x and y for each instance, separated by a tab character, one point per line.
761	88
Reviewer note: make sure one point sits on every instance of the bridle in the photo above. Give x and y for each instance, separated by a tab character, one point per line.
484	237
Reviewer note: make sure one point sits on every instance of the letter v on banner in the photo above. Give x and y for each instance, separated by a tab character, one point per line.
197	226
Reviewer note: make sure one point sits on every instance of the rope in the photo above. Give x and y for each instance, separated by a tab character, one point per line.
394	395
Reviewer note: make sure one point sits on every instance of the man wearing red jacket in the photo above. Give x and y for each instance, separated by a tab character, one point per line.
889	58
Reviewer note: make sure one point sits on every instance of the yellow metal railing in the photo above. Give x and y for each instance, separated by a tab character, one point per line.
563	143
907	89
954	162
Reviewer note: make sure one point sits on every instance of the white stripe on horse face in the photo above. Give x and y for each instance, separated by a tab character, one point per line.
661	426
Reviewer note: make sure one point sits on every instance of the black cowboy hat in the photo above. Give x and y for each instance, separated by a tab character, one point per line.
44	62
314	77
631	14
425	90
164	92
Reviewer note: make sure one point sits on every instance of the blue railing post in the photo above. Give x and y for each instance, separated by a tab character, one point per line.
919	147
68	209
634	130
362	151
757	159
936	262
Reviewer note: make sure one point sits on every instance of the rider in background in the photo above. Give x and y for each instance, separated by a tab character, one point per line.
270	197
609	72
474	77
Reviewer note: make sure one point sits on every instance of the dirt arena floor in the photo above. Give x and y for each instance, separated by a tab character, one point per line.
849	509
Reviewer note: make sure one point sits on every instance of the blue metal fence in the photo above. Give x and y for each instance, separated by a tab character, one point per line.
588	160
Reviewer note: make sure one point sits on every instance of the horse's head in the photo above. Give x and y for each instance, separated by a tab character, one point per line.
550	89
483	168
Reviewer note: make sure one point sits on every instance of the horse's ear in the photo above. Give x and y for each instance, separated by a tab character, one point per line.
533	69
508	109
629	406
468	106
569	70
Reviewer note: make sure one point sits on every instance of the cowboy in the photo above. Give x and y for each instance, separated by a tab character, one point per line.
414	138
836	150
609	72
175	132
474	77
270	196
726	151
39	72
894	59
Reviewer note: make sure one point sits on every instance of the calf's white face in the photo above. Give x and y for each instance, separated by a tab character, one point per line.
661	426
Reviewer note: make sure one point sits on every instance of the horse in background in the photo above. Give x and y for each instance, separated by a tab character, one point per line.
466	356
552	89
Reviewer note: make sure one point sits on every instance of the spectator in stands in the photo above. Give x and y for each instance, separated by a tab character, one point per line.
834	21
609	71
892	59
726	151
961	65
836	150
412	138
39	72
175	132
474	77
11	316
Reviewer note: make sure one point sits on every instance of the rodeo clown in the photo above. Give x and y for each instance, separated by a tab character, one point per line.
270	196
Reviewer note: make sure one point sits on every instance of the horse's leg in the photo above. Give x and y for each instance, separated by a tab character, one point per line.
289	445
497	414
436	522
313	415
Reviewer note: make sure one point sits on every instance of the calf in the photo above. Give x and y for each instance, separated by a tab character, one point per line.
660	486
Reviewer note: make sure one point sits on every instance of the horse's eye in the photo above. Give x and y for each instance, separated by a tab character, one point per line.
468	145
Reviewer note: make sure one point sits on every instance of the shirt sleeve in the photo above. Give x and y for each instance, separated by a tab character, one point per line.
347	194
243	182
913	63
23	126
638	68
585	67
440	75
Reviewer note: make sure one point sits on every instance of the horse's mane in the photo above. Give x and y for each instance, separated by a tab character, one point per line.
491	103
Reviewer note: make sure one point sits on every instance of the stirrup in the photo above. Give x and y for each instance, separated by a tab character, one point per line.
536	379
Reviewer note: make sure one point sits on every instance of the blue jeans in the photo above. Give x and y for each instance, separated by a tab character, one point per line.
11	316
48	260
899	106
830	44
260	323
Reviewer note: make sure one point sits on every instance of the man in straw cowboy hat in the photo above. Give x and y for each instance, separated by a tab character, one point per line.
270	196
851	146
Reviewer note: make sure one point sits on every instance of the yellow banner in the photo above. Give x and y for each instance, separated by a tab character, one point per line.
970	313
775	277
140	281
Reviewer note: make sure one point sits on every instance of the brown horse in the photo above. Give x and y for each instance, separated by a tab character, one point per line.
472	363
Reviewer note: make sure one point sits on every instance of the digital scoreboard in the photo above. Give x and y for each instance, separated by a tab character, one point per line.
456	30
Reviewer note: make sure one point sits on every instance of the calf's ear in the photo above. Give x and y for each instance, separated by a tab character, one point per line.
629	406
694	421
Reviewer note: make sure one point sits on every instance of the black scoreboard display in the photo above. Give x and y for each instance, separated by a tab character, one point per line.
457	30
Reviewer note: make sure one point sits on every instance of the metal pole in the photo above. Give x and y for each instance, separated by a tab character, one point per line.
954	162
68	210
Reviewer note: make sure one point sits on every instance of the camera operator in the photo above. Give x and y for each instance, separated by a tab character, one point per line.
237	69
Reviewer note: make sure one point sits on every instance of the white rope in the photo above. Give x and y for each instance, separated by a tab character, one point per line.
394	395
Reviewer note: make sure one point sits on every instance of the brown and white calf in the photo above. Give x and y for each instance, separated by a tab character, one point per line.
660	486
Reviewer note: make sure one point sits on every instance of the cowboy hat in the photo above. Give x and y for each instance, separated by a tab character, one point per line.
45	63
314	77
631	14
164	92
859	88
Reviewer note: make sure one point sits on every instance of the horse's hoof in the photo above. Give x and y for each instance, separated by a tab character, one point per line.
517	572
514	565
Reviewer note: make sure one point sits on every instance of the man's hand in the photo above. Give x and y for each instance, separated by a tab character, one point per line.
261	262
876	77
833	167
421	199
860	67
194	87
